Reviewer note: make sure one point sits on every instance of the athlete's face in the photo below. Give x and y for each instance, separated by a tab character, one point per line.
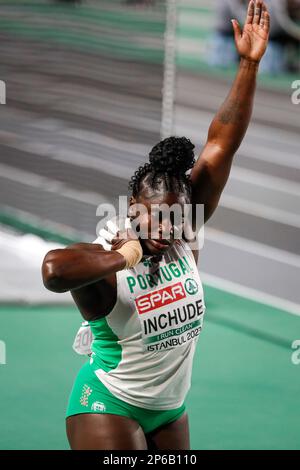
159	225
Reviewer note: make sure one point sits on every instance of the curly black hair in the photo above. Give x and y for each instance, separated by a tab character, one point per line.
169	162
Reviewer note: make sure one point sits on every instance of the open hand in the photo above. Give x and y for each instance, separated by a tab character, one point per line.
251	43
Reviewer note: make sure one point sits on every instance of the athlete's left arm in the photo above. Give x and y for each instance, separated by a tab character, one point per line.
211	171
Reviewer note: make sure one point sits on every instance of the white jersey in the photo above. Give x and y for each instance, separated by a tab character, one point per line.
143	350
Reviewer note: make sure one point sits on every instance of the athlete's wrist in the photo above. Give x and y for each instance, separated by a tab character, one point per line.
132	252
251	64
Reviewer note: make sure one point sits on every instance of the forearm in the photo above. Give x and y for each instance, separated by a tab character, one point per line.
72	268
232	120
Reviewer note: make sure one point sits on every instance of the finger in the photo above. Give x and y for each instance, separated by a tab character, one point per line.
257	12
117	243
267	22
129	229
127	223
262	21
250	12
99	241
112	226
106	235
237	29
104	243
122	235
263	16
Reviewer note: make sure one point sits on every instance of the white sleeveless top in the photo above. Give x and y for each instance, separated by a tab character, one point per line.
143	350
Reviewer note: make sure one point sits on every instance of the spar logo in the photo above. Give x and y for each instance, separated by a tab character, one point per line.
191	286
160	298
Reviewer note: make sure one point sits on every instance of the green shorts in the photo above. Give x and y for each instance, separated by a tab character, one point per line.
89	395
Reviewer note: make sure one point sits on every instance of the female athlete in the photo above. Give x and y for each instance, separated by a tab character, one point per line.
143	298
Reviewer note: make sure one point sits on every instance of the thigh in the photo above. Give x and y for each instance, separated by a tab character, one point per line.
172	436
104	432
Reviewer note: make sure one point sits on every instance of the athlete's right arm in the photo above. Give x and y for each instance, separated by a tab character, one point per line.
79	266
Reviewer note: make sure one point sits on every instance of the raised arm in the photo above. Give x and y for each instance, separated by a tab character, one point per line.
227	130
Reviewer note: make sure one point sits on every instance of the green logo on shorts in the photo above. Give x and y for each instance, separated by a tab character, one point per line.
86	392
191	286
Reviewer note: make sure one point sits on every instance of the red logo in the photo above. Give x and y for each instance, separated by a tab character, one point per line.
160	298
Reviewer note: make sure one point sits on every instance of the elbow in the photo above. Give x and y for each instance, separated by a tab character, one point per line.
52	272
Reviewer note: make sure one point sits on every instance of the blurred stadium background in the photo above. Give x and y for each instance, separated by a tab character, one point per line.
85	83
